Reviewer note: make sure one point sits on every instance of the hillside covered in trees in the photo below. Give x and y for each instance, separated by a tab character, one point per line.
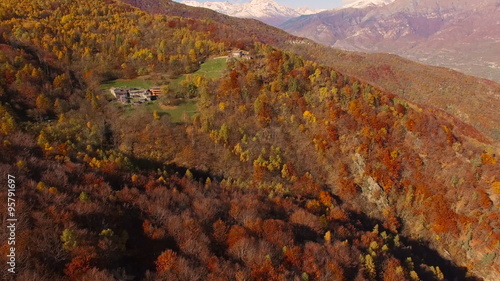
460	95
289	169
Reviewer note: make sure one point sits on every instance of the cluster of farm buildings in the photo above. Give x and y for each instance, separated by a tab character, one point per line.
132	95
135	95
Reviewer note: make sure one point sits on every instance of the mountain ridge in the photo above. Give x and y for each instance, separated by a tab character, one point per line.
267	11
366	3
460	35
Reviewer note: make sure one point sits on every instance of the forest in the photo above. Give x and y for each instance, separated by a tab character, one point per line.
288	169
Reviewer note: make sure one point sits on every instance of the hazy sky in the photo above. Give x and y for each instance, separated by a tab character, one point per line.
314	4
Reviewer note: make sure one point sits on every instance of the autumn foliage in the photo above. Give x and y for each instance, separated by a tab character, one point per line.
286	170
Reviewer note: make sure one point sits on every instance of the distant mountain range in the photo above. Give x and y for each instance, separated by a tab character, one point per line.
367	3
463	35
267	11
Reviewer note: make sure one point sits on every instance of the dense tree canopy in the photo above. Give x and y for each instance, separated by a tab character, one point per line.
288	170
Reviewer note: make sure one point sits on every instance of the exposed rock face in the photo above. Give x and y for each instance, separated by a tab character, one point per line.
371	190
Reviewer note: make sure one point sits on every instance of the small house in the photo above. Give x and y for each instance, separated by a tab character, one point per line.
239	54
236	54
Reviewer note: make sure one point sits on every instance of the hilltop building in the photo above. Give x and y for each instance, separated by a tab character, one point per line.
135	95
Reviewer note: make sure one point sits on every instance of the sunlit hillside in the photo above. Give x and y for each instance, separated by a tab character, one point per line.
226	153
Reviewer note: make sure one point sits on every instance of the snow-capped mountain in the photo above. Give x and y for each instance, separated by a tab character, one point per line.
367	3
267	11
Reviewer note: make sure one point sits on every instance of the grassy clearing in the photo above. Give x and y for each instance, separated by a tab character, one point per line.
178	113
135	83
212	68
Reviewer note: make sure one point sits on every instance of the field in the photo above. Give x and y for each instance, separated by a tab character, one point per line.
135	83
212	68
178	113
